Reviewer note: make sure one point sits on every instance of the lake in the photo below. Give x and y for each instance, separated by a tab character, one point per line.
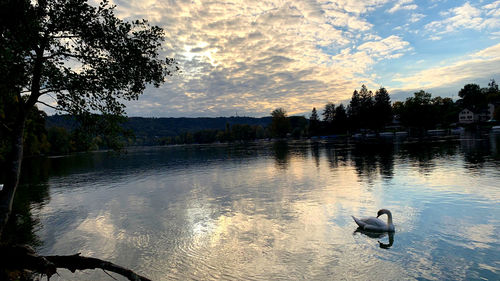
271	210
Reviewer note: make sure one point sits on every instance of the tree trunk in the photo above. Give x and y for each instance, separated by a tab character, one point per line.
13	171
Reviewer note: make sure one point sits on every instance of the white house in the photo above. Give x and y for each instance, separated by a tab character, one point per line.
467	116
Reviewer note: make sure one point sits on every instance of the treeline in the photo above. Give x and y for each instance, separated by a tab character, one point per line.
85	133
368	111
297	125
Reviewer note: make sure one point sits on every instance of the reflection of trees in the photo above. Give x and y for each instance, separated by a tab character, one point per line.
300	150
336	157
281	154
494	145
32	193
386	161
315	153
422	154
475	153
371	159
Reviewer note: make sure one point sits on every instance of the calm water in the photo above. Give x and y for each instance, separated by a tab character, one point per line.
272	211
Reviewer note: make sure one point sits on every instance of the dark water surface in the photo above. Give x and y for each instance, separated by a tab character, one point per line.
272	211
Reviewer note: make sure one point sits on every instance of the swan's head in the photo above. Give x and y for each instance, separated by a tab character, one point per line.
383	211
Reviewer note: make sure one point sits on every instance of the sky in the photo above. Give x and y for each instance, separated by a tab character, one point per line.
248	57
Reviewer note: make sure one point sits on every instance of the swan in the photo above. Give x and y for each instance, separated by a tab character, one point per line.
376	224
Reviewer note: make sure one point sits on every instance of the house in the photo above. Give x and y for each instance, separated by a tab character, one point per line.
468	116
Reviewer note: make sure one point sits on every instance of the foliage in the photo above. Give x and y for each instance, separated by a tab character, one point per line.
472	97
329	113
492	92
314	123
280	125
360	109
83	57
382	109
35	137
60	141
341	119
418	111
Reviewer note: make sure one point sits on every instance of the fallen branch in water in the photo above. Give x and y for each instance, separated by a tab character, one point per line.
20	257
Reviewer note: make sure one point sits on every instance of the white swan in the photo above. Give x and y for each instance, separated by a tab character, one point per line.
376	224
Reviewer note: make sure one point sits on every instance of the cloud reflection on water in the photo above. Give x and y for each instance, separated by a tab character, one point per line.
245	213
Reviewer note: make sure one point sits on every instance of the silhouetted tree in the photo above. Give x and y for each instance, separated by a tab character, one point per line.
366	110
354	109
472	97
329	112
314	123
360	109
382	110
417	112
492	92
111	60
298	125
329	117
280	125
445	111
340	119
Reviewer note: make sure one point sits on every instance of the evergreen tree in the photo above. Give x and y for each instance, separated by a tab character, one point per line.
382	109
366	119
314	123
329	113
329	117
354	109
340	118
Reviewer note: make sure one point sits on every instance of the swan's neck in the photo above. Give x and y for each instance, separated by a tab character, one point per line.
389	218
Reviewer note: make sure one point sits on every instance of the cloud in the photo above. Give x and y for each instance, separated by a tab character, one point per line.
484	62
390	47
415	17
250	57
467	17
402	5
253	56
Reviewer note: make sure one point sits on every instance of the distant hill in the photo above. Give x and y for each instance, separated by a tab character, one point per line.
166	127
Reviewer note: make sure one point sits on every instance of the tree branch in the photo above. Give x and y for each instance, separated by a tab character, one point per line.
24	257
48	105
77	262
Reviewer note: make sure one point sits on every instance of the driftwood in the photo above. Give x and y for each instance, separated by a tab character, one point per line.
21	257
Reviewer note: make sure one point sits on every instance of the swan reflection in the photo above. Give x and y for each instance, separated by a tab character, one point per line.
378	235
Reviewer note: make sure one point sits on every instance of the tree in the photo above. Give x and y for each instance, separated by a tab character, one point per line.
280	125
354	109
445	111
472	97
329	117
329	113
366	108
417	111
492	92
314	123
340	118
382	110
360	108
83	56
